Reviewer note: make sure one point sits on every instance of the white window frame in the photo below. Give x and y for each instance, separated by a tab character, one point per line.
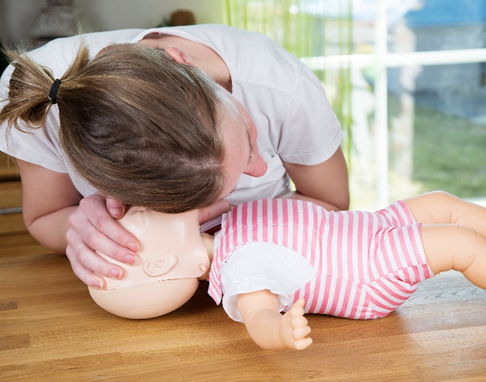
381	60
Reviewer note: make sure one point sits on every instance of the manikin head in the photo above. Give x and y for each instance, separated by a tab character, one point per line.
171	259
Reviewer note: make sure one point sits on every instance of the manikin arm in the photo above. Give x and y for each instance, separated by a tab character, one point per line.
270	329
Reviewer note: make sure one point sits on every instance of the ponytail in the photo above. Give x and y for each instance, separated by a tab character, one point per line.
137	125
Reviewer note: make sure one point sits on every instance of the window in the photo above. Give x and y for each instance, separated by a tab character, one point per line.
418	120
416	73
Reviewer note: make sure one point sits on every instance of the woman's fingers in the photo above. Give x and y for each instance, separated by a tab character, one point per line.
92	229
213	211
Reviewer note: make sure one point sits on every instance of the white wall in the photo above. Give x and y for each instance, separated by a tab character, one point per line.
17	16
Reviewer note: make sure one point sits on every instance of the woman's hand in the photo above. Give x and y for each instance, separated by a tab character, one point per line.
60	219
93	228
213	212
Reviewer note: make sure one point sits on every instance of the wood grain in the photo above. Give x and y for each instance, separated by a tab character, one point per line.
8	169
51	330
10	194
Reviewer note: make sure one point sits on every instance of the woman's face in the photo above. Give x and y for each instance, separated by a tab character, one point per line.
240	136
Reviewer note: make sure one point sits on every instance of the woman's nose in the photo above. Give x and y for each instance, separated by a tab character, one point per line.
257	166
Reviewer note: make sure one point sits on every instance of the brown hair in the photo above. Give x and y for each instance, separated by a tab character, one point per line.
138	126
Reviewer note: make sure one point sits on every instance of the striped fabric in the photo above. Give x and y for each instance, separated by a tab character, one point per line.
367	263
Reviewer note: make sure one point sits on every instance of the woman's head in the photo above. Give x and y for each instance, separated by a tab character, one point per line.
138	126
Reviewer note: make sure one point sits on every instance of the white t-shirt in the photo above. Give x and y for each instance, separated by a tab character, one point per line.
286	101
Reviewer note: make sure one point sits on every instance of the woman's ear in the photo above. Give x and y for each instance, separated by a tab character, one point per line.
178	55
160	266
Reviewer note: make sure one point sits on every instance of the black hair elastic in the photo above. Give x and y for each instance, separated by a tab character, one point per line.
53	91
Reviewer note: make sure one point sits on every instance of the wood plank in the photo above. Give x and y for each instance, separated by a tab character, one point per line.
22	238
8	169
12	224
11	220
10	195
51	330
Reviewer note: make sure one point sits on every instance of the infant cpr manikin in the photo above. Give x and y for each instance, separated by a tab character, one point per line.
171	258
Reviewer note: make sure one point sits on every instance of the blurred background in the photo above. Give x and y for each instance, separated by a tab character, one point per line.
407	78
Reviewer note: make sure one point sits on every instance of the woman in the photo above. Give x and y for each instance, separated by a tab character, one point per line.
276	106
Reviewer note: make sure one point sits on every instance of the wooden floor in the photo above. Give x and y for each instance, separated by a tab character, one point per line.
50	330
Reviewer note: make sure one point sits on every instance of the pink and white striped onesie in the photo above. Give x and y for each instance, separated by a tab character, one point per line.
364	264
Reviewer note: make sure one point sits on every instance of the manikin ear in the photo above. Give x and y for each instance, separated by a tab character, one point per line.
160	266
178	55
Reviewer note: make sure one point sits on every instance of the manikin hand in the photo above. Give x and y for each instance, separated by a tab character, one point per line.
93	227
268	327
293	327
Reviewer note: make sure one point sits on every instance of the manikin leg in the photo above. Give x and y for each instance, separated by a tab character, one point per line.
442	208
455	247
453	234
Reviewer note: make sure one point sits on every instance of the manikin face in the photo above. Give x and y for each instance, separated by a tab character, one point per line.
240	136
171	258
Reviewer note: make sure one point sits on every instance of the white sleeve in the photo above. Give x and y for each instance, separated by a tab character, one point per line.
40	146
311	133
263	266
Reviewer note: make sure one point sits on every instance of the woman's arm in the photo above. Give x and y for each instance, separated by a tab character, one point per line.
325	184
50	201
48	198
270	329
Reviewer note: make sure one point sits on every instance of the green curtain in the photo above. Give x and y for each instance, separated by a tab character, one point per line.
306	28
